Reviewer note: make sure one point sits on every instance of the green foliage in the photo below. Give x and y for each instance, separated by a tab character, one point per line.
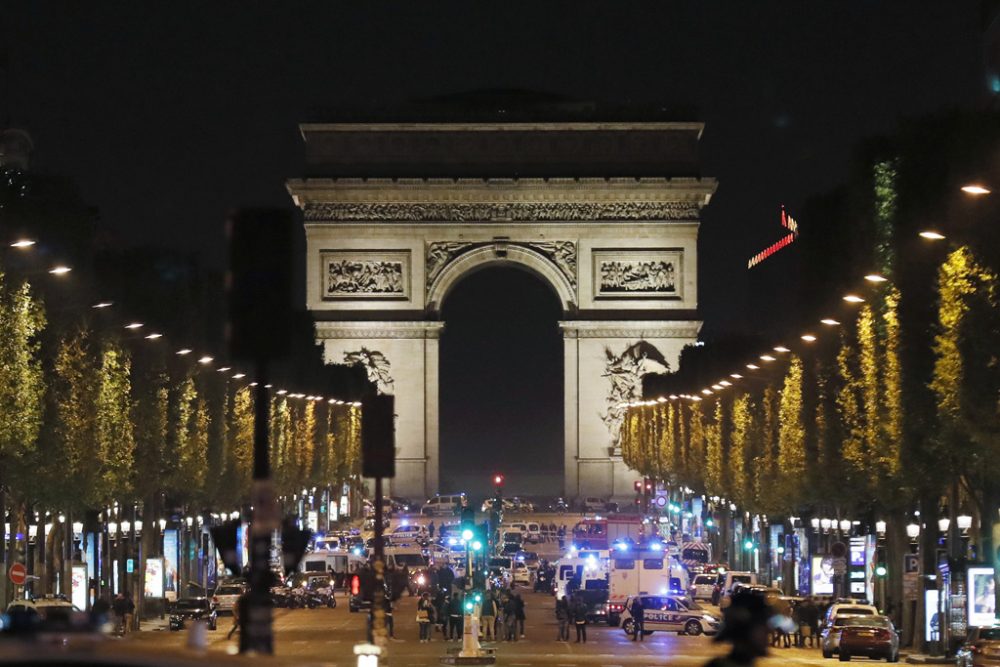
22	383
791	437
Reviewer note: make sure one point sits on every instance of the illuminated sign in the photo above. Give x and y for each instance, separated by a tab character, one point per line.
789	223
822	575
154	578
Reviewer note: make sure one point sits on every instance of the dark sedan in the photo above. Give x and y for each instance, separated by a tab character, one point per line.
186	610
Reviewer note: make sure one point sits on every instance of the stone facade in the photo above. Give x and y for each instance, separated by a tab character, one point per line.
620	253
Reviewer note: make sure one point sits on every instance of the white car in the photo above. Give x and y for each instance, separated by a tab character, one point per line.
42	606
836	617
447	505
594	504
226	596
409	532
670	613
703	586
521	574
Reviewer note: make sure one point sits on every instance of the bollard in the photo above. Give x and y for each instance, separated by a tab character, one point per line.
367	654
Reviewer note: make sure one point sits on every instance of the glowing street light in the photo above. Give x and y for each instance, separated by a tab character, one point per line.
853	298
102	304
735	376
60	270
809	338
782	349
829	321
766	357
133	326
206	360
753	367
875	278
22	243
154	336
975	189
707	392
717	387
931	235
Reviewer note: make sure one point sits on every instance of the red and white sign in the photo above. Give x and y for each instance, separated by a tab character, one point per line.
18	574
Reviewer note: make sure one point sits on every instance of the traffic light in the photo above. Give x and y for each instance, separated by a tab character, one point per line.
468	519
880	570
649	484
638	486
498	480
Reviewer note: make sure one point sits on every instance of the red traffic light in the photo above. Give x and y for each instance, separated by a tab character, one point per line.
498	479
638	485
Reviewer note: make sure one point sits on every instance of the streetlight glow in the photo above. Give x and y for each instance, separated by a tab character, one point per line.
22	243
707	392
975	189
206	360
183	351
102	304
717	387
753	367
809	338
781	348
154	336
829	321
60	270
853	298
931	235
133	326
766	357
239	376
735	376
875	278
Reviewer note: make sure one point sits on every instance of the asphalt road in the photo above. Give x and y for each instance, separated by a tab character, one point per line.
329	635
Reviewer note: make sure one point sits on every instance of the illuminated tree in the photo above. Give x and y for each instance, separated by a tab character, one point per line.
741	485
791	439
713	453
114	437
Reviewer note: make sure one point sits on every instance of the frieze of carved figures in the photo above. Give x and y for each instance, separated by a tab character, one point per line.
638	277
625	372
560	253
484	212
351	277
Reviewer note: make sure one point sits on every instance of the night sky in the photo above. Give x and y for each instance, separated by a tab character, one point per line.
168	114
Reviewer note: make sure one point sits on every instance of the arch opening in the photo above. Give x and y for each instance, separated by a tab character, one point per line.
501	382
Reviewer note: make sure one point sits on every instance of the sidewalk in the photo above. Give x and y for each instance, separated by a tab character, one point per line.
922	659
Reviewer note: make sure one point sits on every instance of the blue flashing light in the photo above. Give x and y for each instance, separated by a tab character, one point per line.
356	551
572	547
452	541
656	546
406	522
709	523
621	546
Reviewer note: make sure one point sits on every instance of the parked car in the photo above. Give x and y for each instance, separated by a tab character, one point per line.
444	505
186	610
520	574
226	597
869	636
594	504
671	613
981	648
702	586
47	607
508	506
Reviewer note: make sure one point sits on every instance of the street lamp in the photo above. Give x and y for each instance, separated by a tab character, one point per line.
964	522
975	189
913	530
932	235
825	523
880	527
943	524
845	525
815	523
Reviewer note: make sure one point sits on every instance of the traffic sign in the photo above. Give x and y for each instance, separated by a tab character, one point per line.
661	501
18	574
911	563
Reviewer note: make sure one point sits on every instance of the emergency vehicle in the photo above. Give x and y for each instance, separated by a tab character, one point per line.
646	570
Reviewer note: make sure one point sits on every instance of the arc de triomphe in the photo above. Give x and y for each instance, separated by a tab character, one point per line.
607	214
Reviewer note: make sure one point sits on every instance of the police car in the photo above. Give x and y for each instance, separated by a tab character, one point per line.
671	613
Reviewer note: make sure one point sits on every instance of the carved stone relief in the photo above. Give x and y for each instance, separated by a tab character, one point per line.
485	212
625	372
365	274
637	273
377	368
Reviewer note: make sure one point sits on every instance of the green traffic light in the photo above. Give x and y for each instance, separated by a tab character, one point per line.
479	598
748	545
880	571
477	546
468	606
467	534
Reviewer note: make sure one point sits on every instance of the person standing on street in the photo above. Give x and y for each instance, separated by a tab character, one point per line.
580	619
487	617
519	613
236	617
425	616
562	616
638	619
455	618
430	529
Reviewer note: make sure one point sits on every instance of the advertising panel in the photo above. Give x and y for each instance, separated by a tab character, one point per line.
154	578
932	615
170	556
822	575
982	596
79	586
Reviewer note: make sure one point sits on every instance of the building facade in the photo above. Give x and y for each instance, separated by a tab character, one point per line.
606	214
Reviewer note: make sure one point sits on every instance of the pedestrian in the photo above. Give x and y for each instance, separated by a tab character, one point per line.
430	529
120	607
387	608
744	624
100	611
455	618
562	617
510	618
487	617
579	612
810	615
638	619
519	613
445	579
441	605
236	617
562	537
425	617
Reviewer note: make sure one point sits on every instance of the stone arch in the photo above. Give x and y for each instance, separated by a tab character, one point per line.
494	255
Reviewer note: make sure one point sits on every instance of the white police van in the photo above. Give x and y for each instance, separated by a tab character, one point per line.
670	613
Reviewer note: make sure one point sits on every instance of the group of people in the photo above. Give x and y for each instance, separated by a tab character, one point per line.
501	615
573	612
